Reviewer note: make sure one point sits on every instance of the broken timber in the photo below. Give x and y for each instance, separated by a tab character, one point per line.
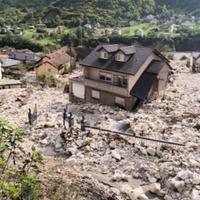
135	136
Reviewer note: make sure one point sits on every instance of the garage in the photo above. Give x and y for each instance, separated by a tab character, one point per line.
78	90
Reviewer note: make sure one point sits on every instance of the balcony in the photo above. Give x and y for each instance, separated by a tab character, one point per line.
101	85
108	87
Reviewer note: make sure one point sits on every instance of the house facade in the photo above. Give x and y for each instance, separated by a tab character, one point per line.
120	75
54	63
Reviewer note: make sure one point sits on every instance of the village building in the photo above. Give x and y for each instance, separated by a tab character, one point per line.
120	75
8	83
60	29
54	63
139	33
24	55
41	26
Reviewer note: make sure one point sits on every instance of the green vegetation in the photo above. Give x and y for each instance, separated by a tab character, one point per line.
74	13
147	28
18	169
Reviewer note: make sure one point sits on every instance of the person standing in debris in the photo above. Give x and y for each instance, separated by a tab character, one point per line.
64	117
29	117
83	123
70	120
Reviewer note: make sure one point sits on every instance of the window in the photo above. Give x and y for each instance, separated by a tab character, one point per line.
121	81
103	55
106	77
95	94
120	57
120	101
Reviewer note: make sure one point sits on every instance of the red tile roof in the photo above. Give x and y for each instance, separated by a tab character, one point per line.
58	58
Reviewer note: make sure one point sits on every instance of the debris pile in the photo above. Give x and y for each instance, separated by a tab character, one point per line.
111	166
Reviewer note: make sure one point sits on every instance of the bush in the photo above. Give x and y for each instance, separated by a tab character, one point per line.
18	169
47	79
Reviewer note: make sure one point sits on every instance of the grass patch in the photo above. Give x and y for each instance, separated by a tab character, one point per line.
131	31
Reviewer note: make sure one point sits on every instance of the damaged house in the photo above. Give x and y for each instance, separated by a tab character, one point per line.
120	75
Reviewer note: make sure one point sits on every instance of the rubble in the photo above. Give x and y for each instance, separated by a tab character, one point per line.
125	168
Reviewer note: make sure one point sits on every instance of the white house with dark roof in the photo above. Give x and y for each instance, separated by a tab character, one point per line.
120	75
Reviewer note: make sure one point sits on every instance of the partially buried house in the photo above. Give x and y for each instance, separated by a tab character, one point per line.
120	75
54	63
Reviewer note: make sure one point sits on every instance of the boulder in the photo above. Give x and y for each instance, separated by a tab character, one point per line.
151	151
138	193
115	154
155	189
119	176
195	194
176	185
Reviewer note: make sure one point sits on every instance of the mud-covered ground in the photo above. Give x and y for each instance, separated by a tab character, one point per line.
98	165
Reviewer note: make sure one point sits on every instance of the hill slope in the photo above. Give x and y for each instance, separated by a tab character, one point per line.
71	13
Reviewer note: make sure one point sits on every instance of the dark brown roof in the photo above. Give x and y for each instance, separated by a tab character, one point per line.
82	52
144	84
135	61
110	48
128	50
155	66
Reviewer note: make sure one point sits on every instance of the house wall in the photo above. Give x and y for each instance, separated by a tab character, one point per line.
108	98
134	79
104	51
94	73
163	79
46	68
122	54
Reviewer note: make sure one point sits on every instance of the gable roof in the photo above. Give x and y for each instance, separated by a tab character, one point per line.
110	48
128	50
137	57
57	58
24	55
6	63
144	84
82	52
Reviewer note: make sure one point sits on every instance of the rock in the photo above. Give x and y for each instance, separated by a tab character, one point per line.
112	145
126	188
184	174
151	151
119	176
196	179
167	197
143	197
58	145
138	193
156	189
192	145
195	194
152	179
116	155
42	135
44	142
72	150
71	162
178	185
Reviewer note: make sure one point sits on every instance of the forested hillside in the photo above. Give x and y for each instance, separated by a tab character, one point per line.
72	13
